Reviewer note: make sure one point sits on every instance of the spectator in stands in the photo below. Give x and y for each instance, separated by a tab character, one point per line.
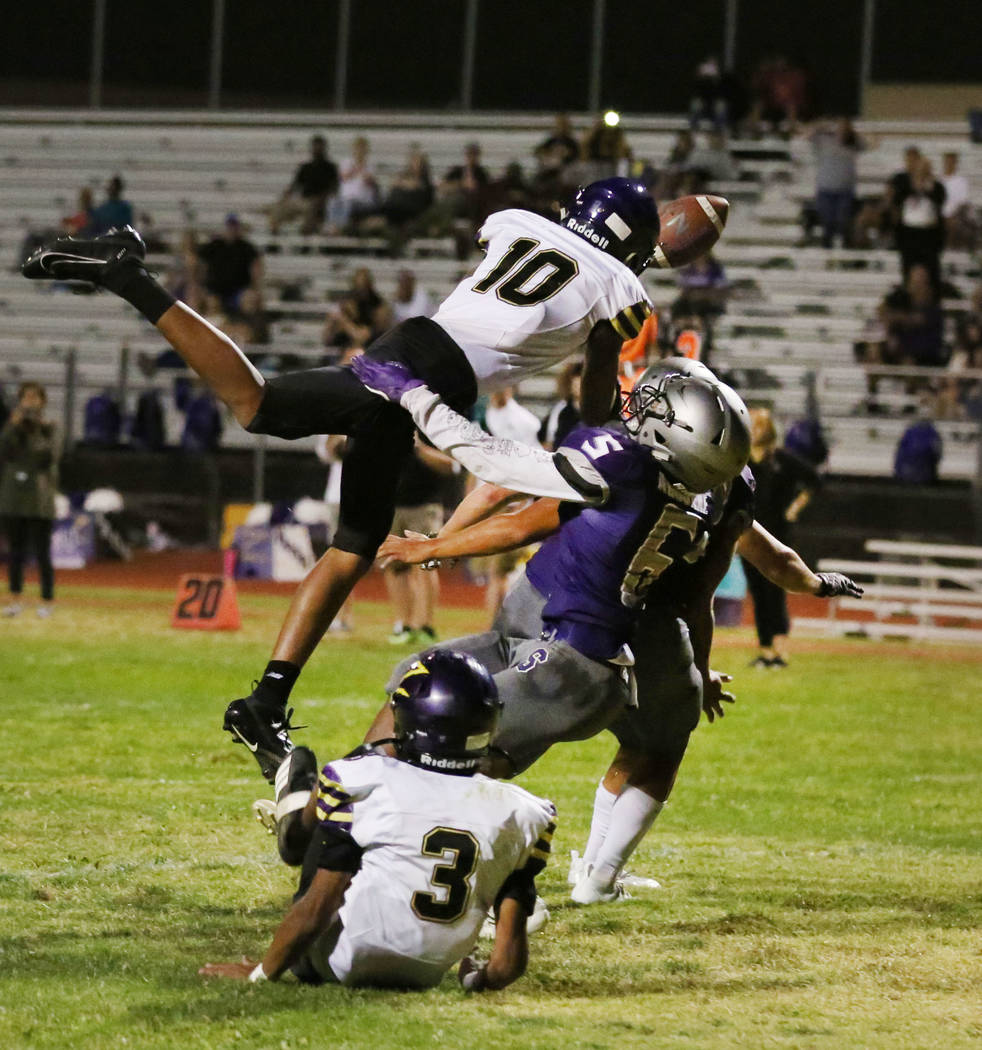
556	152
913	322
785	485
28	482
79	223
959	218
916	200
673	174
359	317
509	191
410	300
459	207
413	590
411	192
959	397
115	210
703	289
780	93
313	183
710	162
565	413
718	98
358	190
232	269
606	148
836	148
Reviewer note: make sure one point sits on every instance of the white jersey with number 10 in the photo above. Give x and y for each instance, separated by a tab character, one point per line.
535	299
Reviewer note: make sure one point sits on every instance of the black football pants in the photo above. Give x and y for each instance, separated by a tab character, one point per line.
332	400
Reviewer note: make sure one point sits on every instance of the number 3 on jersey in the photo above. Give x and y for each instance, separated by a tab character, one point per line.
524	286
452	878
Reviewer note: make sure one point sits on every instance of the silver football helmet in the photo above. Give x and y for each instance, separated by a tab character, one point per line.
696	425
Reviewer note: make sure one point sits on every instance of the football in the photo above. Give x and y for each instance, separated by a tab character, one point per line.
690	226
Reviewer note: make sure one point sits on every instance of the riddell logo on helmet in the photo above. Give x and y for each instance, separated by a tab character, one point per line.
446	763
587	232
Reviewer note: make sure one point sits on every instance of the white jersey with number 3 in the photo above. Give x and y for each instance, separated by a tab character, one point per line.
436	851
535	299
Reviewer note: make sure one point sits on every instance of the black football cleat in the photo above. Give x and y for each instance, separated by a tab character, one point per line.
295	779
264	729
71	259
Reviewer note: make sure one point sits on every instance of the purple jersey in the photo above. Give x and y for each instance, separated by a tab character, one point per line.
598	569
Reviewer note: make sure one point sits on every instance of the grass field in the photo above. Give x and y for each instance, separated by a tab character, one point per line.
822	855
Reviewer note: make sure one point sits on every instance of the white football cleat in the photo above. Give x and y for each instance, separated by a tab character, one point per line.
586	891
538	919
638	882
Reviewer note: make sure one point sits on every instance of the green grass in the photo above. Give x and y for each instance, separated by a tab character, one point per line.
821	855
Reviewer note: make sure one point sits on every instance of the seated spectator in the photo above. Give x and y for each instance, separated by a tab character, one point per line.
556	152
232	270
411	192
509	191
703	287
961	227
606	150
79	224
710	162
916	200
306	197
358	190
918	454
360	317
460	204
676	164
410	300
836	148
718	98
960	397
565	413
913	323
780	91
113	211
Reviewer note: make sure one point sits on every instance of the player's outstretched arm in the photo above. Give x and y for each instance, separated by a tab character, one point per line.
503	532
600	363
784	567
509	956
481	502
309	917
566	475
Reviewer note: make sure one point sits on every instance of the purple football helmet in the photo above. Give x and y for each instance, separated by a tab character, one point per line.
617	215
446	710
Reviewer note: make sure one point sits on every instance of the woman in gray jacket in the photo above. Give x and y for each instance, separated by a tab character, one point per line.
28	481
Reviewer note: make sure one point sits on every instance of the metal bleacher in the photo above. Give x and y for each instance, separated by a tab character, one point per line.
794	314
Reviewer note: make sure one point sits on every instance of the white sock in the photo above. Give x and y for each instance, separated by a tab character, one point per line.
632	816
603	806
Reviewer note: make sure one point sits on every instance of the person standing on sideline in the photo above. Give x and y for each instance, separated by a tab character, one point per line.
785	484
28	481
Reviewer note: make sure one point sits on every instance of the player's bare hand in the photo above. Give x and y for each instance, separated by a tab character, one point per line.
238	971
714	695
471	974
404	550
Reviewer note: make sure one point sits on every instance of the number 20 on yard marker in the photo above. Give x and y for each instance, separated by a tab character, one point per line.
207	603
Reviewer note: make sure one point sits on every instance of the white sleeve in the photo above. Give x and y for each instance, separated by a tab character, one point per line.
566	475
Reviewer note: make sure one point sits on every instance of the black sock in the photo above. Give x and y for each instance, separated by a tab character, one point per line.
130	281
277	681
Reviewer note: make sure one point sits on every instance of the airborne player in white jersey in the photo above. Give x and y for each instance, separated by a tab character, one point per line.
545	290
404	857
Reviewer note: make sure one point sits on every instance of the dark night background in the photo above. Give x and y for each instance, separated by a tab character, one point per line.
531	55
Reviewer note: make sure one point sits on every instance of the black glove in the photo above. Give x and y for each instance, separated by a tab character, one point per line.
835	585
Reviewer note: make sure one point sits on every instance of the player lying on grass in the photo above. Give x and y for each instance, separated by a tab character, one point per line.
672	643
544	291
636	497
403	857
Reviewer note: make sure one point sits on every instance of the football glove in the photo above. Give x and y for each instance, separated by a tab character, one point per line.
388	379
836	585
